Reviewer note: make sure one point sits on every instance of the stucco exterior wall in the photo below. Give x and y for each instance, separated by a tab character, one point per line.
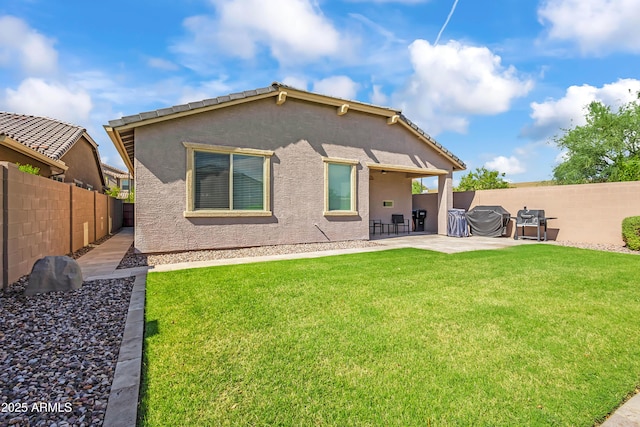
83	165
590	213
300	134
11	156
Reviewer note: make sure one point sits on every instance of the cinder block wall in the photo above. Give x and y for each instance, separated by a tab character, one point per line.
82	218
115	214
590	213
101	215
36	219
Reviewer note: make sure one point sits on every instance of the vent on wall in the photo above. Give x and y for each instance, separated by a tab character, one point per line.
387	203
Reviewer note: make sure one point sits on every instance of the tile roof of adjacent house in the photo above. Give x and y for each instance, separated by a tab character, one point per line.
50	137
114	172
123	127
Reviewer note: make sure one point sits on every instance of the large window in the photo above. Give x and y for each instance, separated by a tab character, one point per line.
224	181
340	186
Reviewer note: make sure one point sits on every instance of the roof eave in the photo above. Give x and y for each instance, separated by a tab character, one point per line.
21	148
115	138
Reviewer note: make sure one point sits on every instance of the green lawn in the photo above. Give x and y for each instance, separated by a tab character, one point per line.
529	335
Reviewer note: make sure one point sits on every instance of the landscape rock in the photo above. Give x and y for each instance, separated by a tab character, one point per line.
54	274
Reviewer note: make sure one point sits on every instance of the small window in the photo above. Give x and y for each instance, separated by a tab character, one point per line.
124	184
223	181
387	203
340	187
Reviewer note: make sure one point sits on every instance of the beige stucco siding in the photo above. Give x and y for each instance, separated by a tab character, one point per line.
82	163
300	134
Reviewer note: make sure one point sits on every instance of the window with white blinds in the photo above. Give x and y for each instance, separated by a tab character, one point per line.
229	183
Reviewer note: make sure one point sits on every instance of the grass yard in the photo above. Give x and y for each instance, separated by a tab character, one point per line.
529	335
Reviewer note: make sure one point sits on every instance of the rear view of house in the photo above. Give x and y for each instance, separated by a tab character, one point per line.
275	165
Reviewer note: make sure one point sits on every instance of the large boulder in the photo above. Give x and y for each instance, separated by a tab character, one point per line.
54	274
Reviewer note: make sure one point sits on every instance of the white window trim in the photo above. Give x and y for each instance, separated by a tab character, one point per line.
190	212
354	186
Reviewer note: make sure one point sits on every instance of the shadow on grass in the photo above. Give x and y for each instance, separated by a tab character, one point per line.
150	329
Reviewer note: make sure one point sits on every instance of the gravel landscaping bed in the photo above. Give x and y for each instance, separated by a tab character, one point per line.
132	259
58	352
597	247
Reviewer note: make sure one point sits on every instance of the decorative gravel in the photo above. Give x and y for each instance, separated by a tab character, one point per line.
58	353
132	259
597	247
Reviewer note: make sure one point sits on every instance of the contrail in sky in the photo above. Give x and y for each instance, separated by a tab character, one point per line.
453	9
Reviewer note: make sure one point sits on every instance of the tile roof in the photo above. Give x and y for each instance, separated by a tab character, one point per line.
114	172
50	137
275	87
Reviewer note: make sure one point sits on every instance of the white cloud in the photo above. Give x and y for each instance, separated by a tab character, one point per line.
596	26
162	64
24	46
54	100
294	31
455	80
390	1
296	82
338	86
205	90
553	115
509	165
378	97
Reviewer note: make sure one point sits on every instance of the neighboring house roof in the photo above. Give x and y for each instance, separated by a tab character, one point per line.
50	137
43	138
114	172
121	131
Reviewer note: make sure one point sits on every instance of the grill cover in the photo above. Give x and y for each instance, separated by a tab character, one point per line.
488	221
457	223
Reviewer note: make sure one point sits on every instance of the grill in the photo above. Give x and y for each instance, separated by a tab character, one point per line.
489	221
531	218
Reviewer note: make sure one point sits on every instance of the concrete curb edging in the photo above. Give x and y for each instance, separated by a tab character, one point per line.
122	407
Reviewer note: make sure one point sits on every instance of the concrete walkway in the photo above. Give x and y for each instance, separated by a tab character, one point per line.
103	260
102	263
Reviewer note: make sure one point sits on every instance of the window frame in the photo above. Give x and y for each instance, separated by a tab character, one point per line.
191	212
353	211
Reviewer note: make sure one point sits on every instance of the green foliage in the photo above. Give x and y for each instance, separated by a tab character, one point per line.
631	232
605	149
113	191
417	187
131	198
29	169
482	179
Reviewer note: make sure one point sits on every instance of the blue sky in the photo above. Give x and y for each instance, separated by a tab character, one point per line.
502	80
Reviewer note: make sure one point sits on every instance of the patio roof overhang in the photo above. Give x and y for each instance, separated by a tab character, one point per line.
411	171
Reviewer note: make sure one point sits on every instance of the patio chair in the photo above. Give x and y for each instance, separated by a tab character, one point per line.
398	222
373	224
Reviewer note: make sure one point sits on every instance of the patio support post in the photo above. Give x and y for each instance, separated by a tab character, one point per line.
445	200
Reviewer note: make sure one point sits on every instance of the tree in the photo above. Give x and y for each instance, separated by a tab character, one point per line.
482	179
417	187
605	149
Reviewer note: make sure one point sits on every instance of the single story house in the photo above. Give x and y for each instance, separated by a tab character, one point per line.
115	177
61	151
275	165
